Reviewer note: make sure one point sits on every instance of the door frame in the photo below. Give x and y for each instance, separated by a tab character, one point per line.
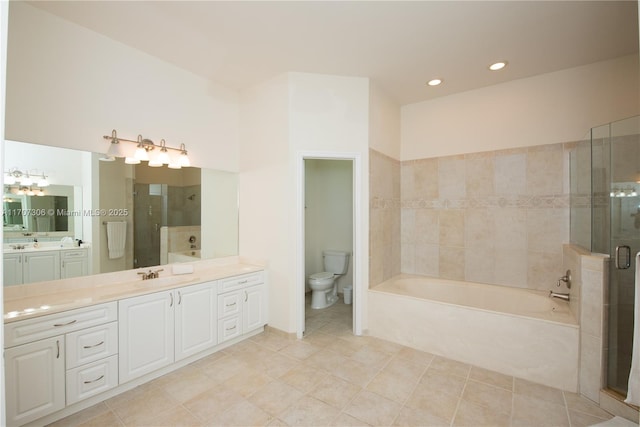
357	256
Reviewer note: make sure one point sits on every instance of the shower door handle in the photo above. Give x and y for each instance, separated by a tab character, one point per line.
623	257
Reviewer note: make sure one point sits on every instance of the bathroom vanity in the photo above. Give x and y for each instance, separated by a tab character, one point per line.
43	263
71	344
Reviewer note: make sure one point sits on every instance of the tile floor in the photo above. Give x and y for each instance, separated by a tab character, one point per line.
335	378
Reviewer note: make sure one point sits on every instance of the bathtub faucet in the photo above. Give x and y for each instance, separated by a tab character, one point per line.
559	295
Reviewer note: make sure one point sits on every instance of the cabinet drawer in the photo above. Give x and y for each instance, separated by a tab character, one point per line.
91	344
29	330
229	304
91	379
237	282
74	254
229	328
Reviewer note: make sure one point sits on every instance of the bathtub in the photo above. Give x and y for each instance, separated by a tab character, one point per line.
517	332
184	256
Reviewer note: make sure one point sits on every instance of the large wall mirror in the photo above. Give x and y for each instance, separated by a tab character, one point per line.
158	215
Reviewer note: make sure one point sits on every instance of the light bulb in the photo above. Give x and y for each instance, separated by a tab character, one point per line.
10	179
132	161
26	181
43	182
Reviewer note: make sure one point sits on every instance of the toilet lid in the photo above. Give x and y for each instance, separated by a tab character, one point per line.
321	275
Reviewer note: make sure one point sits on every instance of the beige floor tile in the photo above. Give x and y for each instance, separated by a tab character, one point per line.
335	391
416	356
275	397
539	391
491	377
224	368
277	422
242	413
575	402
318	338
304	377
247	382
530	411
327	360
449	367
144	407
496	399
437	395
392	386
355	372
211	403
346	420
382	345
472	415
411	417
373	409
440	382
405	369
177	417
185	387
580	419
344	347
277	365
371	357
309	411
106	419
299	350
272	341
129	395
82	416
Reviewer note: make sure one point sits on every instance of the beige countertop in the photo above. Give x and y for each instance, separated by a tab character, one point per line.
43	298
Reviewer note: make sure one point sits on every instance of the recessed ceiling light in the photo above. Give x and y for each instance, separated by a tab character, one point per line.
498	66
434	82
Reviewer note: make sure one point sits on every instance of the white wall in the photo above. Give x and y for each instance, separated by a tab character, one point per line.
68	86
4	6
266	196
384	123
219	235
290	114
545	109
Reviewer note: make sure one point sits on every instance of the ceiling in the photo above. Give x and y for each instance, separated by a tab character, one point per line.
399	45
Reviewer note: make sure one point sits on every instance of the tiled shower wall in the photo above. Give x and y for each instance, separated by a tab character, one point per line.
496	217
384	217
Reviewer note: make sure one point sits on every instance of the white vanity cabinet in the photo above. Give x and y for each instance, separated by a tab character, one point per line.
35	380
40	266
36	366
12	272
157	329
242	305
44	265
73	263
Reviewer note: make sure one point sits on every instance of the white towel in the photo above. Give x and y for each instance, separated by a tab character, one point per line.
116	237
633	393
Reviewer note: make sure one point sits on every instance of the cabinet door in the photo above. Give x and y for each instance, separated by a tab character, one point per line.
41	266
254	311
195	319
145	334
12	273
35	383
73	267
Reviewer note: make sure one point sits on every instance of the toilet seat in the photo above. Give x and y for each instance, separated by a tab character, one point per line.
322	275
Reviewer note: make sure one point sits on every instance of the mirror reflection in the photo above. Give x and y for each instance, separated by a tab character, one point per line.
114	215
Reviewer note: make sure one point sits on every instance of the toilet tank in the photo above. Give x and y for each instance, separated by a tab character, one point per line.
336	262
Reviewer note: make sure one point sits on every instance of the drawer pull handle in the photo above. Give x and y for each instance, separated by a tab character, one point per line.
231	329
246	296
242	282
230	305
171	304
58	348
93	381
57	325
179	298
95	345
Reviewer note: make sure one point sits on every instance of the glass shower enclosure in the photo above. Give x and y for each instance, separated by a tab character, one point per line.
605	218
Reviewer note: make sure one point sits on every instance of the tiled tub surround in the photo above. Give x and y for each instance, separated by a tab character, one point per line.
516	332
497	217
384	211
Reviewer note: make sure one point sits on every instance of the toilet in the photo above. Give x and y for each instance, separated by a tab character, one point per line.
324	289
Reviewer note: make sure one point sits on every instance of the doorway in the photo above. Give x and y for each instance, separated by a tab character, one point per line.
329	194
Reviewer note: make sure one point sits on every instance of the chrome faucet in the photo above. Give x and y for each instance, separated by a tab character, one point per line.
559	295
151	274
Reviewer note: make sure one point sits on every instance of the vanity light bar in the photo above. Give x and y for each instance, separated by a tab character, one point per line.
15	176
134	155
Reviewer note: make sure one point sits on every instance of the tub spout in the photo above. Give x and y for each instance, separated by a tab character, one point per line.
559	295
